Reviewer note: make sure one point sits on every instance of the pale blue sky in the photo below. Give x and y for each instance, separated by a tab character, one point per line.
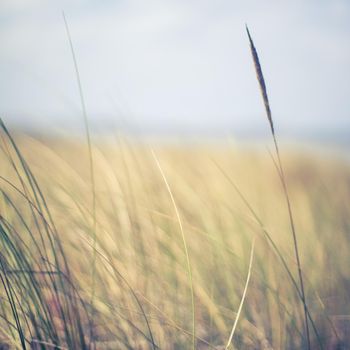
180	64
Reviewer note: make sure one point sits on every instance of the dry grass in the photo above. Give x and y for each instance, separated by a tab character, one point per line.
280	170
142	289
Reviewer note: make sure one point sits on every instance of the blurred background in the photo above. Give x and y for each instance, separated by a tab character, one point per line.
177	68
165	233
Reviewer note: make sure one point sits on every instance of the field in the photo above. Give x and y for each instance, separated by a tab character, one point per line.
170	247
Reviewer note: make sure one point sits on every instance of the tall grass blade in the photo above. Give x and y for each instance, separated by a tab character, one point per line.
263	91
91	163
243	296
189	269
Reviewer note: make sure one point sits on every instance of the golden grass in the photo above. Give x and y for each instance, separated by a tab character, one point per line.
280	170
142	289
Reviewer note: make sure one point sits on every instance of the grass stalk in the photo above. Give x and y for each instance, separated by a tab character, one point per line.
263	90
189	269
243	296
91	168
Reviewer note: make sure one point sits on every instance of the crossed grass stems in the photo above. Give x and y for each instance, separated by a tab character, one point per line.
23	273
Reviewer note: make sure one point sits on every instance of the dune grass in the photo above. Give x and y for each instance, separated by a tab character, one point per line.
142	294
173	248
280	170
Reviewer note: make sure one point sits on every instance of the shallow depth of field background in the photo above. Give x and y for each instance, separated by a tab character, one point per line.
104	242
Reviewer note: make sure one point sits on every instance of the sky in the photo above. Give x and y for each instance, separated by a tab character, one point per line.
179	66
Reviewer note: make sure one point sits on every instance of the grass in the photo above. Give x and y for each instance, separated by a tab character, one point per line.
91	167
280	171
142	289
179	247
189	269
